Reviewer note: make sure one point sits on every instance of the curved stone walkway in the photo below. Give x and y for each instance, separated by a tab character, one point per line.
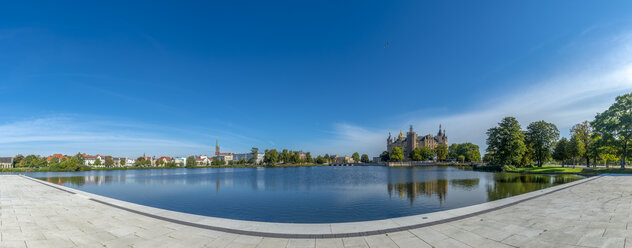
591	213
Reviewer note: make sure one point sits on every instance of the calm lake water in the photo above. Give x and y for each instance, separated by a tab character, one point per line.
305	194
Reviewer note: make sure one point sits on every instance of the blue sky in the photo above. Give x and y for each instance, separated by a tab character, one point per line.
168	78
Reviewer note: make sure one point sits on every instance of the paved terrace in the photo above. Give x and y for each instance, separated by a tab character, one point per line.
594	212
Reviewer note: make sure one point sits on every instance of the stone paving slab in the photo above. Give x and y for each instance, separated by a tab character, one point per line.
587	213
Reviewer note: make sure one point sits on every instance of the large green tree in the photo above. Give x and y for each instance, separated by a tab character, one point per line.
421	153
560	153
506	142
364	158
284	157
271	157
541	136
17	159
584	133
191	162
615	125
576	148
308	157
473	155
460	152
385	156
397	154
320	160
356	157
441	151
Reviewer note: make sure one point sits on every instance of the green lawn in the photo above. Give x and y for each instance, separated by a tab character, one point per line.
547	169
562	170
611	170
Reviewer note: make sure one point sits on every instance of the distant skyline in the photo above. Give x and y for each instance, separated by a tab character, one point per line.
126	78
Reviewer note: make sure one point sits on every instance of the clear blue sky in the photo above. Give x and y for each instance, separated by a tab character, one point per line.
168	78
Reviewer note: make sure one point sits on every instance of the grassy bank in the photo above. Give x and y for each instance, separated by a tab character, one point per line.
557	169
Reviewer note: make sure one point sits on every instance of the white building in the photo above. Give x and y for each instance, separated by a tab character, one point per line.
248	156
226	158
6	162
181	160
90	160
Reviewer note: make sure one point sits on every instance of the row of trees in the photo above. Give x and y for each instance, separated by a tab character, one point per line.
73	163
272	157
606	138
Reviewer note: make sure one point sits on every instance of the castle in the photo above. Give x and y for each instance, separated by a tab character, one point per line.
411	141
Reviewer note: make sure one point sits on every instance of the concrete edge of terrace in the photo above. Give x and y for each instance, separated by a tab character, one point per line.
308	230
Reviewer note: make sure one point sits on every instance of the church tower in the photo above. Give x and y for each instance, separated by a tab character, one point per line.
217	147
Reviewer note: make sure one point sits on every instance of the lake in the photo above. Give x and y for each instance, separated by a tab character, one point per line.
320	194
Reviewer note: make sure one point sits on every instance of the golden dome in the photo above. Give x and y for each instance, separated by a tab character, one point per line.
400	133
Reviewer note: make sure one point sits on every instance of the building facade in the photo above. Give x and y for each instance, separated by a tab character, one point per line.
6	162
411	141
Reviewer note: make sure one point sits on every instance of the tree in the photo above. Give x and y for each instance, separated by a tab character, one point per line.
461	158
607	153
506	142
171	164
54	161
441	151
415	154
453	151
397	154
473	155
217	161
364	158
541	137
560	153
142	161
320	160
385	156
456	150
284	156
97	162
615	125
327	158
17	159
80	158
271	157
308	157
355	157
575	148
191	163
109	162
488	157
31	161
527	157
584	134
421	153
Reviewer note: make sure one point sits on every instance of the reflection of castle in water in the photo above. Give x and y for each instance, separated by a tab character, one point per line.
413	189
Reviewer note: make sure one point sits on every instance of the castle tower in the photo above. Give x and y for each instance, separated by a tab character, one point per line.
411	141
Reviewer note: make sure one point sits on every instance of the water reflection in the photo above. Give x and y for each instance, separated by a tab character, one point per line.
306	194
410	191
511	184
